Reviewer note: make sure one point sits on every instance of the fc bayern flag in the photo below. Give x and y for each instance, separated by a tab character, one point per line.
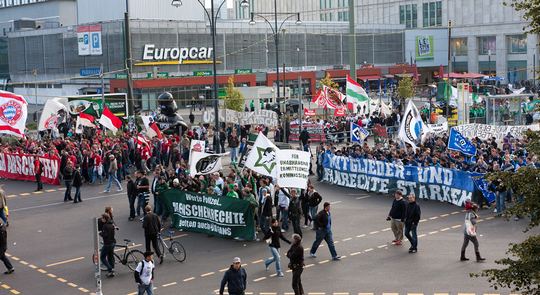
13	113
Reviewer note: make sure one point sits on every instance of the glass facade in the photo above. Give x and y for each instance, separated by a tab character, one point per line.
432	14
487	45
408	15
517	71
517	44
459	46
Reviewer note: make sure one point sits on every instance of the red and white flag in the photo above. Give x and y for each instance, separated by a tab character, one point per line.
109	120
153	131
13	113
87	120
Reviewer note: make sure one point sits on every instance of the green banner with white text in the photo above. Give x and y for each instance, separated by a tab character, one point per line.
218	216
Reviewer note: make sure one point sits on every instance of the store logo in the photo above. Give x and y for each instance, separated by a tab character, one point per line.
11	112
153	56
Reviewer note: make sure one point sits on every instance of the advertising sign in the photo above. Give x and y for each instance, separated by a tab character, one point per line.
91	104
427	47
316	132
21	167
212	215
154	55
424	47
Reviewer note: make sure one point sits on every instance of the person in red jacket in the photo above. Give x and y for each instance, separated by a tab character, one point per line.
38	170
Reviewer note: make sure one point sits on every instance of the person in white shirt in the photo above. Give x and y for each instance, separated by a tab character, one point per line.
144	274
283	207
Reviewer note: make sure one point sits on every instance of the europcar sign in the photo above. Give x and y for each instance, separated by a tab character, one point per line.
153	55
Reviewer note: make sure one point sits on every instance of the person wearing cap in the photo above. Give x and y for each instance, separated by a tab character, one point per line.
144	274
235	278
469	231
323	227
3	248
296	264
113	172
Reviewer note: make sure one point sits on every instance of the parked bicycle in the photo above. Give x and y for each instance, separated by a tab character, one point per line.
130	258
174	247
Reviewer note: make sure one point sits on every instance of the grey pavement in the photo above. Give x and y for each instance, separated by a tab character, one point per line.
52	241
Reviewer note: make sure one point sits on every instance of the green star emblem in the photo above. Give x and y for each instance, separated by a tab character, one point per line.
266	159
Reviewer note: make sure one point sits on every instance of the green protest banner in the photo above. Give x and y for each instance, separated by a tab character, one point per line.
91	104
218	216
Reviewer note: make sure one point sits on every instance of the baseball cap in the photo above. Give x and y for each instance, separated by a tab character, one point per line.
237	260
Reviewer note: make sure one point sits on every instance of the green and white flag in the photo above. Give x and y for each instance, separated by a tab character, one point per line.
355	93
262	157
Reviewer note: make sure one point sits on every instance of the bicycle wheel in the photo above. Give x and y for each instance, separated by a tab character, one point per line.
133	259
178	251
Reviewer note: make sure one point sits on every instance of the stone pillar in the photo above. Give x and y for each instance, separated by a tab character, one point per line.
472	54
501	57
532	52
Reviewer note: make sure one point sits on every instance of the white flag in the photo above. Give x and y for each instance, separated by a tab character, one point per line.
49	115
203	163
262	157
293	168
412	127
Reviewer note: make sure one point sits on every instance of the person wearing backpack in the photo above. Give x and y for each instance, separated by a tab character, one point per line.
144	274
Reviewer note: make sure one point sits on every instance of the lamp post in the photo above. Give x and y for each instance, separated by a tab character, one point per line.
275	31
212	18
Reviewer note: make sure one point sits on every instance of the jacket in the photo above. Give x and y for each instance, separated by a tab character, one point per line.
3	238
267	207
412	216
151	224
296	255
314	199
398	210
275	234
236	281
68	173
131	189
107	233
321	220
77	178
295	208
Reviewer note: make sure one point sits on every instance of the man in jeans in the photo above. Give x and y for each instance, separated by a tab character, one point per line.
323	226
411	222
107	251
234	142
113	172
397	217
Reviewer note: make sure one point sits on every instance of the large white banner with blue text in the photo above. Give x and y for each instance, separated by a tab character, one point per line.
433	183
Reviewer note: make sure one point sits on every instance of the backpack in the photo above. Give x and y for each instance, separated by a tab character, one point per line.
138	274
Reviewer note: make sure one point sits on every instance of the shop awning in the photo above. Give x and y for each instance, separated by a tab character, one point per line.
370	77
408	75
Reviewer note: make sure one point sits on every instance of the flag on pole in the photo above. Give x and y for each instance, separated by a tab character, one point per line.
49	115
13	113
355	93
204	163
262	157
412	127
109	120
87	120
457	142
153	131
358	134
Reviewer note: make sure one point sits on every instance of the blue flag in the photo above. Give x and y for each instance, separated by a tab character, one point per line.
458	142
358	134
483	186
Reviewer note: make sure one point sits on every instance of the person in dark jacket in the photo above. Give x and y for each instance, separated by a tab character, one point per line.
397	217
323	227
266	212
235	278
275	234
296	264
152	227
412	219
314	199
132	196
77	183
3	248
295	211
68	178
109	242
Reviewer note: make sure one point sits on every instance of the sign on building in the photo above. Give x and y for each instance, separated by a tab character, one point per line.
424	47
89	40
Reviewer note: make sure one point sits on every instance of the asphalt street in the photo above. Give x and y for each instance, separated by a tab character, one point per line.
50	244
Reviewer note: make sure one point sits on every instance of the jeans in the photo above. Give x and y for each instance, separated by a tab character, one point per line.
158	206
77	197
107	257
500	201
324	234
305	211
145	288
141	203
95	175
234	151
297	281
295	221
67	194
466	239
264	223
6	261
410	233
320	172
131	200
112	176
3	215
313	212
397	229
284	217
275	258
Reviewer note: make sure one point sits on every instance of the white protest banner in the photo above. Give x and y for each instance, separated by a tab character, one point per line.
293	168
438	128
264	117
484	131
203	163
262	157
196	146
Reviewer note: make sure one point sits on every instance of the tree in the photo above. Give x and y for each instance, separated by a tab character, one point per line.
328	82
531	13
521	270
405	88
234	99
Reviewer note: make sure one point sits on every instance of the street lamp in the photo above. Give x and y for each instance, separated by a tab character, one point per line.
244	4
275	31
212	18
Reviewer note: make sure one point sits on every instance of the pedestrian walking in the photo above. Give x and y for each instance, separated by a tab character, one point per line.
3	207
144	274
275	234
314	199
3	249
296	264
132	196
68	179
152	227
266	212
412	219
38	170
295	212
77	183
153	190
323	227
109	242
469	231
283	206
304	201
113	174
143	191
235	278
397	217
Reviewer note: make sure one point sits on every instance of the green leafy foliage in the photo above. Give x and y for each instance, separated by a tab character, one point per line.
405	88
531	13
234	99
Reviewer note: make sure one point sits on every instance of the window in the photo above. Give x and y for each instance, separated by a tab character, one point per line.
459	46
408	15
432	13
517	44
486	45
343	16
